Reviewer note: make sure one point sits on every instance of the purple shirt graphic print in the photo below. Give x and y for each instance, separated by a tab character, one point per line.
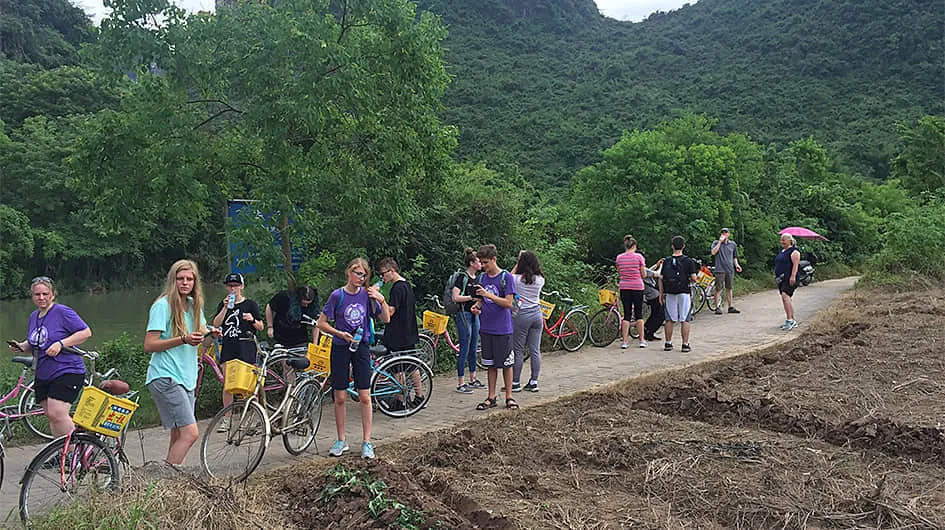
60	322
349	312
494	319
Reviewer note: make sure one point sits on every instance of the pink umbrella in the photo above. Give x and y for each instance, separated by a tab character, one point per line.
803	233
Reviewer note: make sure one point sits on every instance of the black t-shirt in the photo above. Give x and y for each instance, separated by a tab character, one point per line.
287	313
401	331
238	333
464	284
684	267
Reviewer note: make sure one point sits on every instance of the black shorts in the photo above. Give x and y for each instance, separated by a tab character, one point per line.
497	350
632	304
64	388
360	366
246	352
785	286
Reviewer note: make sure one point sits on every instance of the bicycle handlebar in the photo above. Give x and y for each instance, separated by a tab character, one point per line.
88	354
435	299
308	321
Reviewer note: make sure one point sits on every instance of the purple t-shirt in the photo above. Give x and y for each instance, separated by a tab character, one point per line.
496	320
351	311
60	322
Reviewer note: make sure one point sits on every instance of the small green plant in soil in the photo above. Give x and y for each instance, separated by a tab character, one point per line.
342	482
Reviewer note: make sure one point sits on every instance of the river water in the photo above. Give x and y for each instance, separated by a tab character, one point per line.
108	315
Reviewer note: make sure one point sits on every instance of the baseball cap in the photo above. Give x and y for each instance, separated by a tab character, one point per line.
234	277
724	231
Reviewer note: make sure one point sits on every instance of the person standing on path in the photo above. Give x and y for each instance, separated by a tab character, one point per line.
351	308
176	325
467	324
60	375
726	265
651	296
238	319
677	271
284	316
496	294
785	273
632	268
527	324
401	333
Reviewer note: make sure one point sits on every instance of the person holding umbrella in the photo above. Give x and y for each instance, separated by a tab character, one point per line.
785	273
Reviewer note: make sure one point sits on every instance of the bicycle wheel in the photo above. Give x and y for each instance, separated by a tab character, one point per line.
303	414
401	386
278	377
574	330
59	475
35	423
710	298
604	327
234	453
427	349
697	298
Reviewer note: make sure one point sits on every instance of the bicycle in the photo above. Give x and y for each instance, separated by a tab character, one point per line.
276	378
31	411
702	291
570	328
604	327
429	342
83	463
250	425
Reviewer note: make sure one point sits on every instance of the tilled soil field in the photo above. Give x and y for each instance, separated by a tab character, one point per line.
840	429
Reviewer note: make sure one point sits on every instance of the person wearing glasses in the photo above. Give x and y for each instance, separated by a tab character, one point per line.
60	375
401	334
351	308
284	316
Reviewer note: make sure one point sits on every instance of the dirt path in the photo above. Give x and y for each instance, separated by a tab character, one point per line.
713	337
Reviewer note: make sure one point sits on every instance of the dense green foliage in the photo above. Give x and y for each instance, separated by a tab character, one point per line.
547	86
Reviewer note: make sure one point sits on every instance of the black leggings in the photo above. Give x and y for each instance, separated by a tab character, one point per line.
632	304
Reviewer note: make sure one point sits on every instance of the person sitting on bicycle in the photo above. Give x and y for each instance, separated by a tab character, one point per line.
350	308
401	334
467	323
527	324
238	319
59	376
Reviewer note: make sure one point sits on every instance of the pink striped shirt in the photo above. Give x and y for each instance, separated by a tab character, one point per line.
628	265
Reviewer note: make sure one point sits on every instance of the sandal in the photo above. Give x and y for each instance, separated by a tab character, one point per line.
489	403
511	404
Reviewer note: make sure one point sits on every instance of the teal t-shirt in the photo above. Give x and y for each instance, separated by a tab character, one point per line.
180	362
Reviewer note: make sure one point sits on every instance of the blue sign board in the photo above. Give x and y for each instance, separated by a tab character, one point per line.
240	254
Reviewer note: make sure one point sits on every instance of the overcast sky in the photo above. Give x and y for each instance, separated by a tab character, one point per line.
634	10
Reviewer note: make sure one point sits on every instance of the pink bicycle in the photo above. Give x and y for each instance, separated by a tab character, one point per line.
276	376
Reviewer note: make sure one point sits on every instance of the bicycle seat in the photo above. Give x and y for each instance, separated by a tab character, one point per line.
378	350
297	363
25	361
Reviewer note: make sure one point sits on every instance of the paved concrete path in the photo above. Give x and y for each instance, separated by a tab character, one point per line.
562	373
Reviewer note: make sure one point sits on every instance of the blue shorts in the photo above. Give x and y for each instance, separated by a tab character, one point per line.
345	363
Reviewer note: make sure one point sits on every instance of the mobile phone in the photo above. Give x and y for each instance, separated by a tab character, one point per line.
15	345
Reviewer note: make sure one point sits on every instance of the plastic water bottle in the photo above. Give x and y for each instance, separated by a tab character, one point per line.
231	301
379	284
358	335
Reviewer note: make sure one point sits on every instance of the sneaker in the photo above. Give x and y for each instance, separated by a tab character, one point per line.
718	310
668	346
367	450
786	325
464	389
477	384
733	310
224	425
531	387
418	401
791	324
516	387
643	344
686	348
394	405
624	345
340	447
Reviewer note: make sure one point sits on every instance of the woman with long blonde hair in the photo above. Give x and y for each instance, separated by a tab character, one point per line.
176	325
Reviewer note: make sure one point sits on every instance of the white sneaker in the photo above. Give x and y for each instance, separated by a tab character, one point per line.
643	344
624	345
786	325
791	324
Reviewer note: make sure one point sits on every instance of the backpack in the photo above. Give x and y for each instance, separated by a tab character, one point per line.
516	303
449	306
675	280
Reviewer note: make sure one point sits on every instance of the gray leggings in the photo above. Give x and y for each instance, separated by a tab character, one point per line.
527	333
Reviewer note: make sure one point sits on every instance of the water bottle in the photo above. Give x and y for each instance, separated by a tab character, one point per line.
358	335
231	301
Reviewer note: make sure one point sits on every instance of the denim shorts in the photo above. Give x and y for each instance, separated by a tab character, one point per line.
345	364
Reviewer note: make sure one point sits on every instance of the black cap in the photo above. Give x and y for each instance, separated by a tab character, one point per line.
724	231
234	277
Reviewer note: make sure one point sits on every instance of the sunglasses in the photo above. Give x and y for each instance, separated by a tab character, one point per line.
41	279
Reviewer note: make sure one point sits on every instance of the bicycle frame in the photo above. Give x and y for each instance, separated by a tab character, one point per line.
7	417
554	331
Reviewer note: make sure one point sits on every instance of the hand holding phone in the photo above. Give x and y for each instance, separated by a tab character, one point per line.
15	346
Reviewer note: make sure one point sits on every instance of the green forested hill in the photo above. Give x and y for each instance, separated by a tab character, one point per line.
546	85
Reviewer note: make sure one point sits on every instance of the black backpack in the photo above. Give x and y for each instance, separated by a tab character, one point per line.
675	277
449	306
